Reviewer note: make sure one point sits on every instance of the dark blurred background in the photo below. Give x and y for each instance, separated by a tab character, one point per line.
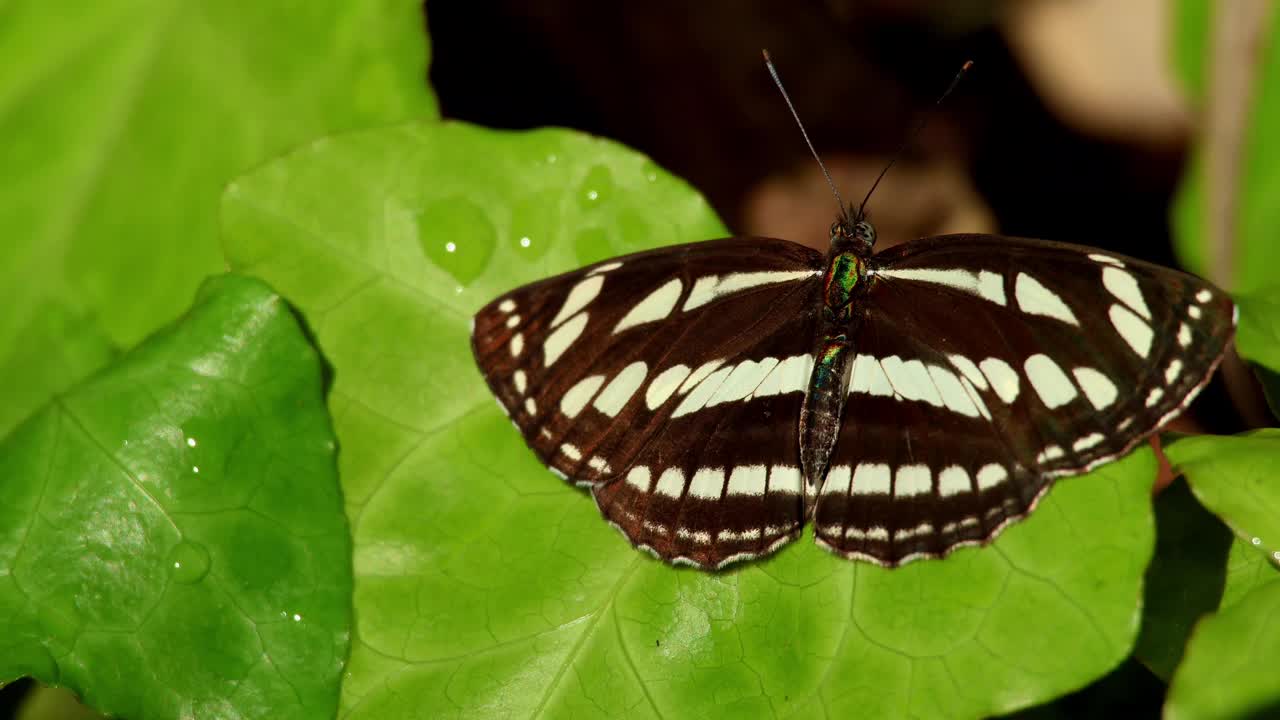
1070	126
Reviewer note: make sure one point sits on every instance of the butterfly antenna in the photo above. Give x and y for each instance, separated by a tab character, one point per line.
768	62
914	132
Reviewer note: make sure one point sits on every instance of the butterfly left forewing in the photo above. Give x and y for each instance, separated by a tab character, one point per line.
988	366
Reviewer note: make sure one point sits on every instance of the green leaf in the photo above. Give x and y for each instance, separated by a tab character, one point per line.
1185	579
172	540
55	347
486	587
1258	341
1235	477
1230	669
1248	567
1255	214
124	119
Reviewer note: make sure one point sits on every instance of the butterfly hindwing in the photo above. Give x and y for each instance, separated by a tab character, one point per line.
654	378
987	366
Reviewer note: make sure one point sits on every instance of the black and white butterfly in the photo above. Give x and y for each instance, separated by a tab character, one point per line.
715	396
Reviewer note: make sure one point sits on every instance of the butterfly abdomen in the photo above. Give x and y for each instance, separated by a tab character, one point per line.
828	386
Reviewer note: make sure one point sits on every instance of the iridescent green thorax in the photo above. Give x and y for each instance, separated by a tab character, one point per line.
844	271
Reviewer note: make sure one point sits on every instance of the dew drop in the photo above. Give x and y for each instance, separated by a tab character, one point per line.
457	236
189	562
535	221
633	229
1257	541
195	469
596	188
191	442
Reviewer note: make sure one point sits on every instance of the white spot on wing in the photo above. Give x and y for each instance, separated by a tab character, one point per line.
615	395
837	482
1172	372
1105	259
584	292
1088	441
991	475
953	480
970	371
1154	397
1203	296
598	464
871	478
790	375
520	380
1049	381
912	480
507	305
656	306
513	321
530	406
662	386
911	380
1132	328
707	483
517	344
953	393
571	451
1184	335
1036	299
699	375
1194	312
745	378
984	284
1100	391
784	479
748	480
1004	381
698	398
1125	287
1049	454
868	377
580	394
711	287
639	478
562	337
670	483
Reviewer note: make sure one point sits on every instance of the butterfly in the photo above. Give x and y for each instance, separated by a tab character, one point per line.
715	396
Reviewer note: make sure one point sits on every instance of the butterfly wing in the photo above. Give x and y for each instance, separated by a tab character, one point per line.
669	382
987	366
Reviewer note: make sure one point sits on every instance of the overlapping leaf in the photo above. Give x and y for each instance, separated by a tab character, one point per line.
122	121
485	587
172	542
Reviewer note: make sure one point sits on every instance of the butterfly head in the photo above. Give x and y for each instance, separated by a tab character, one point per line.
852	233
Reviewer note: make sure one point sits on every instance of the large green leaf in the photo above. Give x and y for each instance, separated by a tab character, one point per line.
1236	478
486	587
1230	667
172	542
122	121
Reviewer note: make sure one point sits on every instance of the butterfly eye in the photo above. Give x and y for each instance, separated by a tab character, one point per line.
865	231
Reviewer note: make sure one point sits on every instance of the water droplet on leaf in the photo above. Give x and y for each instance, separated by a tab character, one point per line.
189	562
457	236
